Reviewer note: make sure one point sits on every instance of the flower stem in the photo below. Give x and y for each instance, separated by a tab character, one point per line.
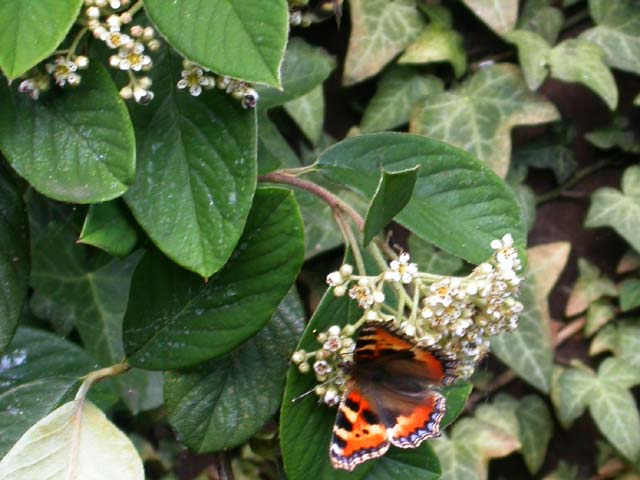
351	241
135	8
74	45
97	375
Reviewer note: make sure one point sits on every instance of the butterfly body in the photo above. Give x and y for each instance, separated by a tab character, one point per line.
391	397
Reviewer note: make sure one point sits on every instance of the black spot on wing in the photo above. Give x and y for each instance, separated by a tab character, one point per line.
370	417
352	404
344	423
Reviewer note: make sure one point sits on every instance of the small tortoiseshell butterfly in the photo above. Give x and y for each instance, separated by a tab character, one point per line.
391	397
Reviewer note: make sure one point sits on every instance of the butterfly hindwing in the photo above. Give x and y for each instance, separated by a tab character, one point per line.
413	427
358	434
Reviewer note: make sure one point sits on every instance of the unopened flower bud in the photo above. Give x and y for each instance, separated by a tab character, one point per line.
346	270
340	291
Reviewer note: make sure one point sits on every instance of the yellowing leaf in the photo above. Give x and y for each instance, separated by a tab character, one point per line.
74	442
580	61
437	43
380	30
500	15
591	286
479	114
617	32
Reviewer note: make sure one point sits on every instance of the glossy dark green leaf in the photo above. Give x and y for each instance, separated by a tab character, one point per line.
14	256
74	144
31	30
458	204
197	171
244	39
82	286
176	320
456	396
304	68
431	259
273	150
222	403
421	462
392	195
108	228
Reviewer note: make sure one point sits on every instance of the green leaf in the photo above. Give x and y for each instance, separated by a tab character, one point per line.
14	256
78	284
457	396
273	149
547	154
538	17
528	350
380	29
432	260
564	471
479	114
618	209
500	15
437	43
66	442
196	214
108	228
623	339
618	133
243	39
527	201
598	314
420	462
630	294
617	32
450	182
533	53
590	286
76	145
308	113
215	406
536	429
30	31
304	68
580	61
392	195
398	90
570	393
175	320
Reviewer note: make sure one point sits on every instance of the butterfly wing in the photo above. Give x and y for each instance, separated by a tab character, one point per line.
358	434
420	422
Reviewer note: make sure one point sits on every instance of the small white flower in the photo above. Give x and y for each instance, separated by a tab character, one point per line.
322	367
402	269
93	12
334	279
331	397
142	95
63	71
115	39
298	356
378	296
346	270
333	343
339	291
334	330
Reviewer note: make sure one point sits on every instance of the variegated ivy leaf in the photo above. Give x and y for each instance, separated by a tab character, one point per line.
590	286
617	32
533	52
535	427
479	114
629	294
380	30
598	314
618	133
607	396
538	16
500	15
617	209
528	350
622	339
629	262
580	61
398	90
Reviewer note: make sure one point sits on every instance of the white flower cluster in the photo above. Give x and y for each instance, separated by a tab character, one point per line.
196	78
131	47
63	69
457	315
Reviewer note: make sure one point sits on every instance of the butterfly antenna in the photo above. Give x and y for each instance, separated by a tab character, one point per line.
305	394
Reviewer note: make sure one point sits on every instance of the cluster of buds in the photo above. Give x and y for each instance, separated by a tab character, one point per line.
457	315
195	78
106	24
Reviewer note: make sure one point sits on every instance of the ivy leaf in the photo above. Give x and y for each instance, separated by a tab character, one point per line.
536	429
629	262
580	61
31	31
380	29
243	39
196	214
611	404
66	441
175	320
618	133
590	286
538	17
499	15
107	227
74	146
399	88
305	67
392	195
623	339
14	256
564	471
533	52
547	153
308	113
214	406
450	182
617	32
618	209
598	314
432	260
479	114
437	43
528	350
630	294
570	392
78	284
40	369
